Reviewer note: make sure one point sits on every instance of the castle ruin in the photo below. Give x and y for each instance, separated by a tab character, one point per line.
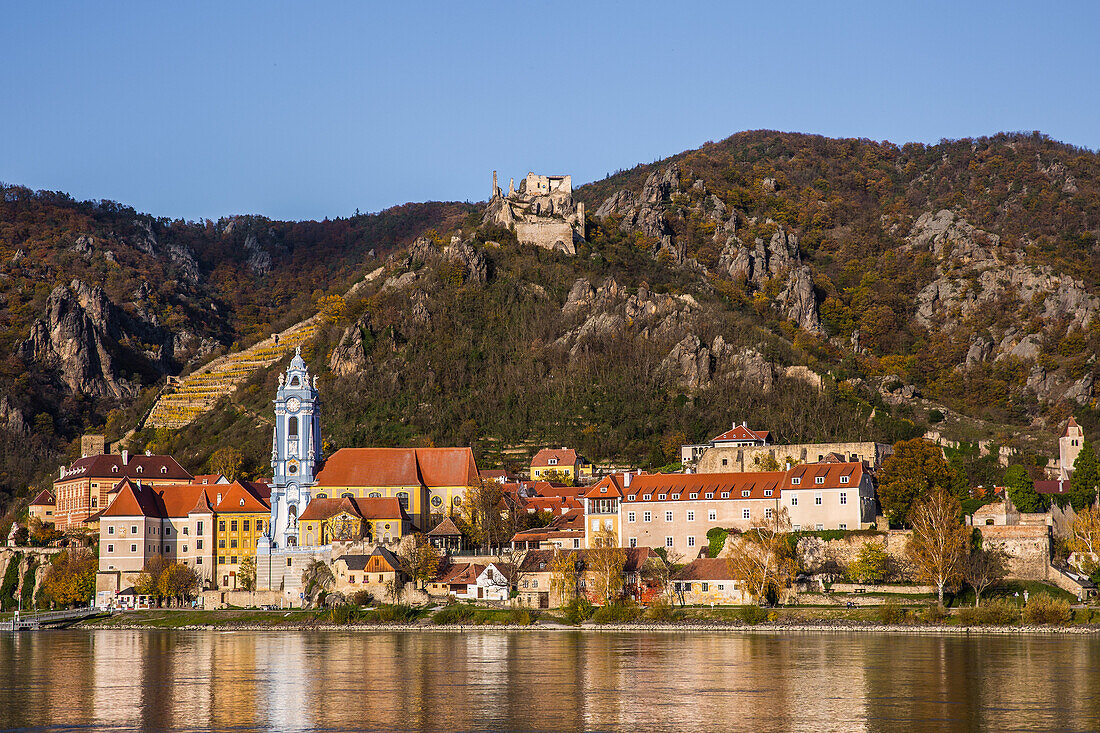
541	212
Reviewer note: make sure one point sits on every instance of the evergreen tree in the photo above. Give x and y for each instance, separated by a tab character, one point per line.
1085	479
1021	490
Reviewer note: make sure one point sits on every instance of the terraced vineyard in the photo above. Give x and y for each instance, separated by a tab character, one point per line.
200	391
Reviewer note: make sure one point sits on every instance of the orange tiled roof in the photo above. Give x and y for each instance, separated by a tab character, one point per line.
239	497
399	467
459	573
829	473
680	486
706	568
565	456
1071	424
372	508
740	432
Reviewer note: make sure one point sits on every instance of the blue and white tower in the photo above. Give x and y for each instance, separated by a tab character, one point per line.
295	452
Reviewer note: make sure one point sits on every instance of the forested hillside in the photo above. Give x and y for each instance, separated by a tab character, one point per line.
818	288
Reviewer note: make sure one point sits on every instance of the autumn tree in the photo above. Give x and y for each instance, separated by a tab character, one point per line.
1085	533
915	469
178	581
246	573
605	562
70	580
870	564
761	559
938	546
148	580
564	575
1085	479
227	461
984	566
419	559
483	514
41	534
1021	490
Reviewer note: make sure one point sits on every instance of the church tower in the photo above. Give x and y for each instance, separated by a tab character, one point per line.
295	452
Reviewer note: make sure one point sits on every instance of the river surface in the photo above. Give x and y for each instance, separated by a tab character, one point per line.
546	681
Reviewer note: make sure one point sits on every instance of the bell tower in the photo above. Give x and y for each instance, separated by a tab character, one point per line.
295	451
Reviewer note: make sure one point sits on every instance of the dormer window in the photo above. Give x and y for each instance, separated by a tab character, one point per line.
709	495
662	497
675	496
114	469
164	469
767	492
138	469
647	497
819	479
725	494
693	496
242	502
843	479
553	461
603	489
796	480
744	493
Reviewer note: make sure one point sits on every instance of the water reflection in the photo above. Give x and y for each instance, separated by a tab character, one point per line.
545	681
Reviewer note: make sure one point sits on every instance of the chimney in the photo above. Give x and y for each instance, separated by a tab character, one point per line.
125	458
148	452
219	499
626	479
744	424
788	464
61	472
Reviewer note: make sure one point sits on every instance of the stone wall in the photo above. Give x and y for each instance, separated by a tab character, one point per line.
1028	547
830	557
281	569
214	599
548	233
722	459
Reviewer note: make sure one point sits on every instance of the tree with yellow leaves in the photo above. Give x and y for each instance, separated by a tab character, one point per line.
938	546
761	560
605	562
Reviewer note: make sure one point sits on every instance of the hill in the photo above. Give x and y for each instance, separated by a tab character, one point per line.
821	288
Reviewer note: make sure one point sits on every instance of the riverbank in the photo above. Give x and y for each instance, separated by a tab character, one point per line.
793	621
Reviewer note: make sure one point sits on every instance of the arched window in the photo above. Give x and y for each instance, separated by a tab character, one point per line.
294	381
374	495
293	427
347	495
403	497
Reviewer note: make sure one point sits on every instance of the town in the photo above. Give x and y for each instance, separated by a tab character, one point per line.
425	525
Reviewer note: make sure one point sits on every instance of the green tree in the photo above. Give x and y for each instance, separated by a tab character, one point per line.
915	469
1085	479
227	462
1021	490
870	564
246	573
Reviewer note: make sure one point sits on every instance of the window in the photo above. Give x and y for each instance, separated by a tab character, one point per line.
166	548
576	545
817	499
796	528
819	479
198	528
796	480
167	530
843	498
706	587
221	526
403	497
245	525
744	493
110	548
221	544
662	497
185	531
289	562
819	527
725	494
691	542
133	529
668	542
233	560
526	583
675	496
725	462
647	517
111	530
233	526
744	513
633	542
647	497
198	544
198	561
794	501
712	515
164	469
242	502
843	525
709	495
133	548
768	513
668	516
691	516
721	586
185	548
139	469
767	492
351	578
293	427
630	516
693	496
553	461
843	479
233	543
535	583
95	502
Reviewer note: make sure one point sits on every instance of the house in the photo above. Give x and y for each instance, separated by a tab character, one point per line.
425	481
829	495
379	519
457	579
536	587
82	488
42	507
708	580
376	573
740	436
675	510
243	511
562	464
500	475
565	532
175	522
447	537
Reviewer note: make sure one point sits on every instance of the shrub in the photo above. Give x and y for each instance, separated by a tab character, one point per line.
998	612
1043	609
891	612
616	613
362	598
935	614
344	614
520	617
661	611
11	580
397	613
578	611
456	613
752	615
716	540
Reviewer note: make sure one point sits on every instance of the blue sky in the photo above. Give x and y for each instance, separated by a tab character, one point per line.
307	110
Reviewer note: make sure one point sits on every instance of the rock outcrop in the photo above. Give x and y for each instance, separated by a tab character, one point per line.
350	355
541	212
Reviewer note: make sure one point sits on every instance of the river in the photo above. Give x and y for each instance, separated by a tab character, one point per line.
546	681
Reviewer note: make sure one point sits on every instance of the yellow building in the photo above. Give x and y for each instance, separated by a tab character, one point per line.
243	511
42	506
377	519
562	464
425	481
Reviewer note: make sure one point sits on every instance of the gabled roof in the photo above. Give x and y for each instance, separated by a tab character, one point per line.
446	528
609	487
359	562
134	500
240	497
706	568
1071	425
636	557
740	433
210	478
44	498
564	456
1056	488
459	573
140	466
399	467
372	509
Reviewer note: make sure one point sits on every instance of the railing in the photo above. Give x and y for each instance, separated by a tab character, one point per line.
36	619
